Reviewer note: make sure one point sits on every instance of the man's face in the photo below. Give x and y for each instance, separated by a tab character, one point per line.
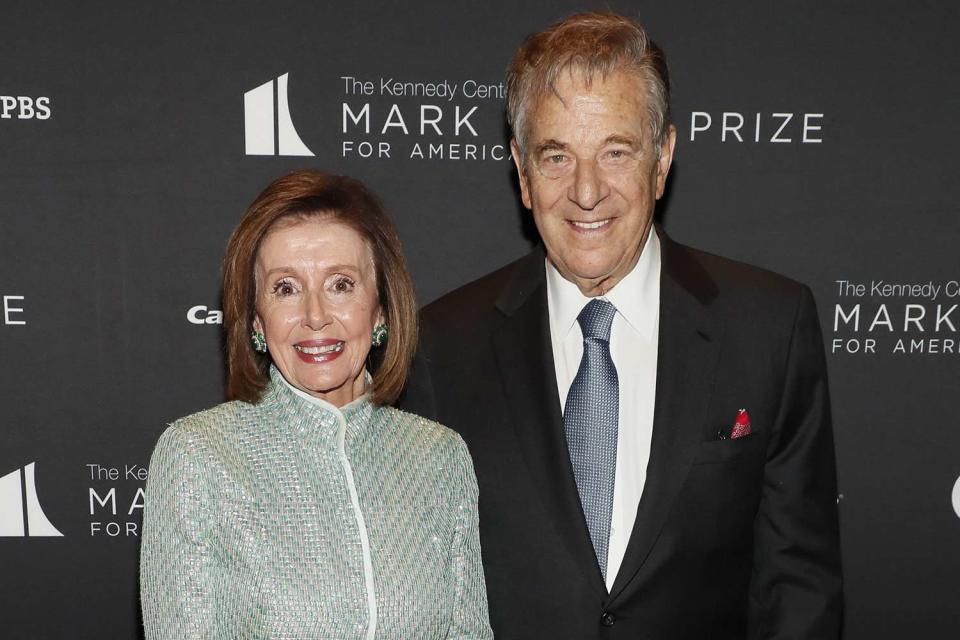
592	177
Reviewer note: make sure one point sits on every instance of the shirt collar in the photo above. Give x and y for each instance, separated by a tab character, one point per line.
636	297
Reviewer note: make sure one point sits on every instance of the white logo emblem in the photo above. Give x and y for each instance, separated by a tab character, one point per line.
259	120
20	511
956	497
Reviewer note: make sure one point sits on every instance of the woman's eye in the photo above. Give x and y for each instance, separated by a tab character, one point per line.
284	288
343	285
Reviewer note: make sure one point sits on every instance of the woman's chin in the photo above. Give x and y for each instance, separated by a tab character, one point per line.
336	387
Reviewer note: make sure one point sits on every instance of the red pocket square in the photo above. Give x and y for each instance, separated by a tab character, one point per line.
741	425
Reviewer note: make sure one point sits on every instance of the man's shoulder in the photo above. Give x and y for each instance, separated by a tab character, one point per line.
758	309
729	280
714	278
477	296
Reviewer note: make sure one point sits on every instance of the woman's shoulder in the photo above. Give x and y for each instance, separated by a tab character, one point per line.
226	415
199	447
415	424
206	428
437	452
424	433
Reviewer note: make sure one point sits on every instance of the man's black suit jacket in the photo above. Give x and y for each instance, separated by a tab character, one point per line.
733	538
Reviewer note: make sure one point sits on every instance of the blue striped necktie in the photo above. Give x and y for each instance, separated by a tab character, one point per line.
590	419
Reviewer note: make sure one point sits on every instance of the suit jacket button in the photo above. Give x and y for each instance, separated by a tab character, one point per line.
607	619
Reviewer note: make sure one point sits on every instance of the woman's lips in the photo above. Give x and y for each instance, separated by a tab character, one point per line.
317	351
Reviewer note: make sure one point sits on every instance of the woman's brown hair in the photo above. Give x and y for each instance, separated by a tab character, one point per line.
302	195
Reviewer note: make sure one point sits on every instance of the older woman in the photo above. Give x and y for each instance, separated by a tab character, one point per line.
307	507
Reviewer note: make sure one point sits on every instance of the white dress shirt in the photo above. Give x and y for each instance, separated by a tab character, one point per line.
633	347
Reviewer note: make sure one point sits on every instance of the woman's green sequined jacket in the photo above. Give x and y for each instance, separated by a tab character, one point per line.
294	519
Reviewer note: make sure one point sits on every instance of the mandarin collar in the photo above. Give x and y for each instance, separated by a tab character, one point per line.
309	415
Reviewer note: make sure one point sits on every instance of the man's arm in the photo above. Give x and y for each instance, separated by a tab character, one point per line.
796	588
418	396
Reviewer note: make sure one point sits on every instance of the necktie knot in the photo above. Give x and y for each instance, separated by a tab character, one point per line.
596	319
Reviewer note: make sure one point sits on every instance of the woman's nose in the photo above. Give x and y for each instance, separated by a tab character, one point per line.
316	315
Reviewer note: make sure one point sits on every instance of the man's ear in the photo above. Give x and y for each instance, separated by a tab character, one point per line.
521	173
666	159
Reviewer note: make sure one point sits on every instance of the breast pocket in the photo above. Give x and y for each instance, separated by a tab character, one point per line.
728	451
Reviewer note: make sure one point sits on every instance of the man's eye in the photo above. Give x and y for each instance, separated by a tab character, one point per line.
556	158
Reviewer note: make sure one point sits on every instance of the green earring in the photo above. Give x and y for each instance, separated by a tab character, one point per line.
379	335
259	342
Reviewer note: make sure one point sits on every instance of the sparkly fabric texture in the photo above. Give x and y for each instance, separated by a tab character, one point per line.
251	531
590	420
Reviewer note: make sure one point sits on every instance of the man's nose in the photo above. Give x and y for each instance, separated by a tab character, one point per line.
588	187
316	314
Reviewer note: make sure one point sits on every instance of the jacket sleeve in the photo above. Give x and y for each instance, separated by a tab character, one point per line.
796	588
470	619
174	554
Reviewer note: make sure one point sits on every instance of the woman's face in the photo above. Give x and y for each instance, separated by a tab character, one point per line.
317	305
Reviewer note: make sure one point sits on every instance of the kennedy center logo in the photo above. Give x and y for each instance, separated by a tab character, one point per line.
268	129
20	511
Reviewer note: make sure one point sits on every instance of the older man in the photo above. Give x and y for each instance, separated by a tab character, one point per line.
650	424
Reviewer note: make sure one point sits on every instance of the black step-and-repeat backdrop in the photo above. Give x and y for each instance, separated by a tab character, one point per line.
818	139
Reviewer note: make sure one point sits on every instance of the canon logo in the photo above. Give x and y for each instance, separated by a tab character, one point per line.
732	126
200	314
24	108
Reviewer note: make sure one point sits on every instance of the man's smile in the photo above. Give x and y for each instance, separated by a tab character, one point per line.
596	226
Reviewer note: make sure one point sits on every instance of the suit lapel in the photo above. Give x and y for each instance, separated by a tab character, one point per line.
688	355
525	359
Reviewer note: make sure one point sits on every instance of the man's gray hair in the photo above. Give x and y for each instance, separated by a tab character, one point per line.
591	44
